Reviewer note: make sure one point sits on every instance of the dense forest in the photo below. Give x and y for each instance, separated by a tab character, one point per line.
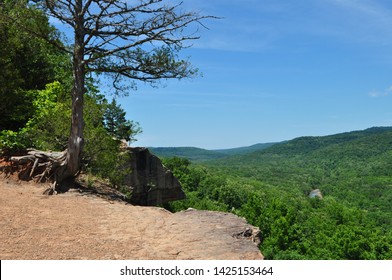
271	187
268	184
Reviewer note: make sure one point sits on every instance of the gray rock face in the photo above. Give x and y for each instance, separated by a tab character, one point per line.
316	193
150	182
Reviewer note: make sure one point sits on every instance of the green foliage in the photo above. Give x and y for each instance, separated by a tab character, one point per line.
297	228
270	188
198	184
117	125
49	126
11	142
102	155
26	62
49	129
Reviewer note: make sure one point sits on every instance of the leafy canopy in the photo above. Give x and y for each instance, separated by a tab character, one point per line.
26	61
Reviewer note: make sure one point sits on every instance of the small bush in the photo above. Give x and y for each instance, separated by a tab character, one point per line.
12	142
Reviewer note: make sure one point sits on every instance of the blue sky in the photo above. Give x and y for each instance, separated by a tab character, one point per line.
274	70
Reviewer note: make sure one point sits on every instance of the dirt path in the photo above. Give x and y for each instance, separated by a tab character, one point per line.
80	226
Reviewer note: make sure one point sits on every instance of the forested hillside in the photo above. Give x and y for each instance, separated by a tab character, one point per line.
271	189
349	166
199	155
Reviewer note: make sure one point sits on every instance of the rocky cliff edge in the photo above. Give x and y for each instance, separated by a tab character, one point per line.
80	225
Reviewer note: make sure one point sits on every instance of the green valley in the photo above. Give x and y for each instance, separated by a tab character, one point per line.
270	187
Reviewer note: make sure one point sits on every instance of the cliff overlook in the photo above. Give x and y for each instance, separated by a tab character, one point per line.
81	225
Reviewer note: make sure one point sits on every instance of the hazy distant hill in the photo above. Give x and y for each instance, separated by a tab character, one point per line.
191	153
344	149
305	145
359	145
362	142
245	150
197	154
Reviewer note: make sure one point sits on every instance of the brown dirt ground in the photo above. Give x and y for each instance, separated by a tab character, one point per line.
81	225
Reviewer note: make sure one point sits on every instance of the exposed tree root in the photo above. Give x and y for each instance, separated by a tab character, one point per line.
43	167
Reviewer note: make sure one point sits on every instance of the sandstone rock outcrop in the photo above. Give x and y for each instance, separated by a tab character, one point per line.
79	225
227	235
316	194
150	182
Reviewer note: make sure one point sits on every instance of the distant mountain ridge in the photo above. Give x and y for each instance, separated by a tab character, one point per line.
360	145
246	149
198	154
299	145
307	144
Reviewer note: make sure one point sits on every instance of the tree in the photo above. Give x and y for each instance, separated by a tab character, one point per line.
137	40
117	125
26	62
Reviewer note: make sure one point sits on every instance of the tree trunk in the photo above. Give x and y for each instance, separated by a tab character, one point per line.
72	164
63	167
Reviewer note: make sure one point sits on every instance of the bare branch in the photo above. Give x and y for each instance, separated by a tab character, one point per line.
63	10
115	32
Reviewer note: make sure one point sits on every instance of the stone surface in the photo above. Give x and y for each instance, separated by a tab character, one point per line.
316	193
150	181
224	230
79	225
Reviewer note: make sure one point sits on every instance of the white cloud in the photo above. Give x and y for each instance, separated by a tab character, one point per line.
384	93
374	94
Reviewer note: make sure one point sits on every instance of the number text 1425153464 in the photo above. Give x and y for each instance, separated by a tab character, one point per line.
232	270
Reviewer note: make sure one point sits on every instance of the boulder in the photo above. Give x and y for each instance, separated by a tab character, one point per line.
149	181
316	193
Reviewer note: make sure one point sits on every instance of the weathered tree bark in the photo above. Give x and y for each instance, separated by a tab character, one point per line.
75	143
42	166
